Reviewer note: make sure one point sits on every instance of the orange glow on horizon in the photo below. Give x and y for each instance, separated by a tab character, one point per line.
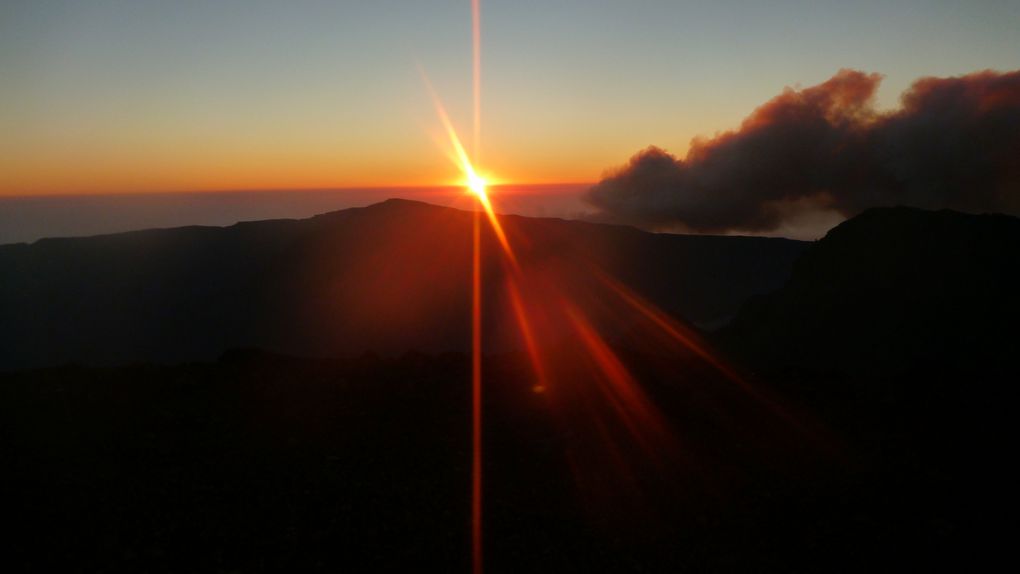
107	170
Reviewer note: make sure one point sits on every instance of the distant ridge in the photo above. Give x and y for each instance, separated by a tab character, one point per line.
894	290
390	277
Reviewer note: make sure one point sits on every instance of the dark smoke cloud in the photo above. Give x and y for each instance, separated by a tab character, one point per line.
953	143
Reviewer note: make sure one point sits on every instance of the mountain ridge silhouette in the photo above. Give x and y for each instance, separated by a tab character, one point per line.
390	277
892	290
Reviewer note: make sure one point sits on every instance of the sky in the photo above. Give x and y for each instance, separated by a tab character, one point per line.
104	96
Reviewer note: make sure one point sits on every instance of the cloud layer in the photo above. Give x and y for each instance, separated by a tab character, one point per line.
953	143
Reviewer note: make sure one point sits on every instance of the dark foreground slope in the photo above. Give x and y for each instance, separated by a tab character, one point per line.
391	277
260	463
894	290
268	464
899	329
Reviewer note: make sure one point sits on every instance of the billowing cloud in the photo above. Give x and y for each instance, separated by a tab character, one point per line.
953	143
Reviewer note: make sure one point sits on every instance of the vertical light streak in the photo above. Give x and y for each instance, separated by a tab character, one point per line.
476	327
476	397
476	65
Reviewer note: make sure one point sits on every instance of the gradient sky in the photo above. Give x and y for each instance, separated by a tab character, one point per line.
146	95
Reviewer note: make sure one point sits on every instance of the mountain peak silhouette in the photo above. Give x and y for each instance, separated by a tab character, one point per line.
389	277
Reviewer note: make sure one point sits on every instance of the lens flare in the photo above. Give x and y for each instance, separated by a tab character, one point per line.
559	327
477	185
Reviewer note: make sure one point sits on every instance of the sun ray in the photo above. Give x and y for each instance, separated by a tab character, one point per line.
473	181
623	393
527	333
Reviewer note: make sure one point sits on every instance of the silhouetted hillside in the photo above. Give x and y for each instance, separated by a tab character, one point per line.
892	291
899	330
260	463
391	277
867	432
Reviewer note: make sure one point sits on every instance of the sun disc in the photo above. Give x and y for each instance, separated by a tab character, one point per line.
477	185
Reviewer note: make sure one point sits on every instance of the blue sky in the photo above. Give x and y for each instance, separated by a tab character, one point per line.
146	96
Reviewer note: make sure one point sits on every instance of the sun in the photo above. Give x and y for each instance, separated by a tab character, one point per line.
477	185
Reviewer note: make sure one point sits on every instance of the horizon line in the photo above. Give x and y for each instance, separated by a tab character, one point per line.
448	186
